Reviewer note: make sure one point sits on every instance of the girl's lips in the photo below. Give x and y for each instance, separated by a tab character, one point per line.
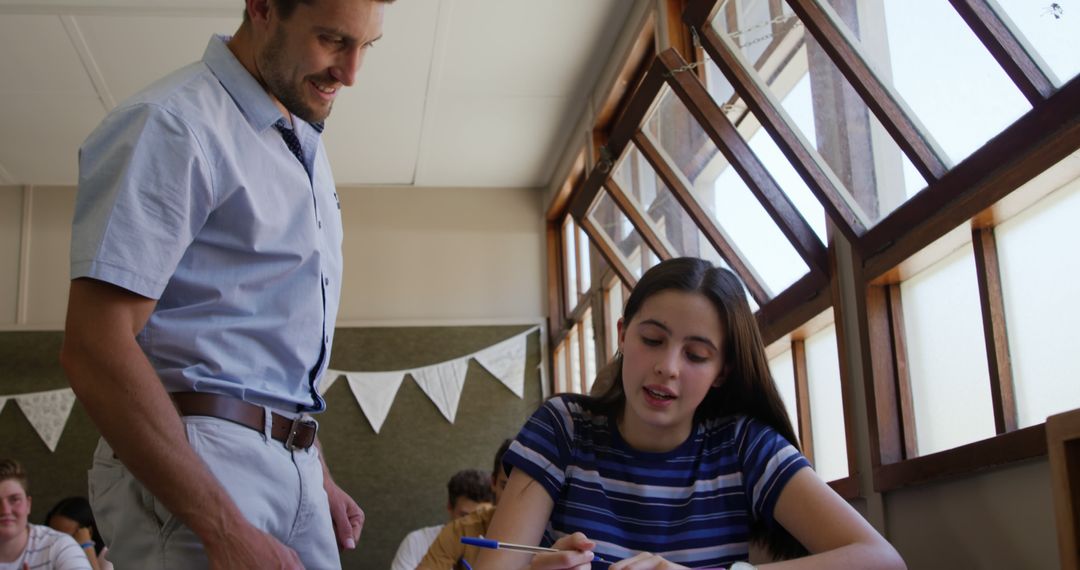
657	397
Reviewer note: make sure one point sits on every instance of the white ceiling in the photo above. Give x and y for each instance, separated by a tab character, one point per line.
458	93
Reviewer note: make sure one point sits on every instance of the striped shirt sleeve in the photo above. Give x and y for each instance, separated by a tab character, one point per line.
768	463
542	447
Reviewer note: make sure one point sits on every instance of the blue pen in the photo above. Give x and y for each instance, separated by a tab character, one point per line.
496	545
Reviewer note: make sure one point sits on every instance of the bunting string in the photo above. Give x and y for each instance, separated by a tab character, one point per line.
442	382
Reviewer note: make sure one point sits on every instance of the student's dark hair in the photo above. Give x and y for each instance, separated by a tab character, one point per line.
499	455
78	510
473	484
748	389
11	469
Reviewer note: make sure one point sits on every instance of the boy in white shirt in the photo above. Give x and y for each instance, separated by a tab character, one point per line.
25	546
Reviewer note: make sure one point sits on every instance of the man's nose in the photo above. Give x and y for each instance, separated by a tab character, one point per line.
347	65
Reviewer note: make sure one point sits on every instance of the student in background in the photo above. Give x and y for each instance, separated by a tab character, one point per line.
73	516
467	490
447	552
685	459
24	545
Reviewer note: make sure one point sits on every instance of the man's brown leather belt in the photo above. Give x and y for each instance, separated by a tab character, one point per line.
295	434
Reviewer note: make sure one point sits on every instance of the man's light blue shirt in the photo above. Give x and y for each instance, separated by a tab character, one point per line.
190	196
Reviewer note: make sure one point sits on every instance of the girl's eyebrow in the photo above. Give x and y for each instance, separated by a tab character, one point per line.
696	338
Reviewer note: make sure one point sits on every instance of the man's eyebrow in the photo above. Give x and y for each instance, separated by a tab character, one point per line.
342	34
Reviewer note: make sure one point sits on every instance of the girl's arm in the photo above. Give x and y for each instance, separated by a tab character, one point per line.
834	533
520	518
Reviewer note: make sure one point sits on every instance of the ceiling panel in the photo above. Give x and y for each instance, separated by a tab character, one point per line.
42	134
488	142
134	51
373	138
38	57
528	48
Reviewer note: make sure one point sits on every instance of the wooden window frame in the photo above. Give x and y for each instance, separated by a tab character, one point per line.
955	194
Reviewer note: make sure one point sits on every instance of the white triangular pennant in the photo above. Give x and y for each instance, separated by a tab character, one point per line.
442	383
48	412
328	379
375	392
506	361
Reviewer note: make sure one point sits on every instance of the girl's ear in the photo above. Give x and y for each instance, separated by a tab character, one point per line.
622	333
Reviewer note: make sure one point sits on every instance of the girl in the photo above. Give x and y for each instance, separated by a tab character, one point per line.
73	516
684	459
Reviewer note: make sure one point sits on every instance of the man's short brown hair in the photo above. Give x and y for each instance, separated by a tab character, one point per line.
11	469
286	7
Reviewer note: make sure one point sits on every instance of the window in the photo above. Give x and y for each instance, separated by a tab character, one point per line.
805	365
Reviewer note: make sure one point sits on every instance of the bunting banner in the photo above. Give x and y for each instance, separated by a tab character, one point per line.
506	361
48	412
442	382
375	392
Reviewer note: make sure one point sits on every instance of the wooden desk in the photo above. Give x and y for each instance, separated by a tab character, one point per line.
1063	450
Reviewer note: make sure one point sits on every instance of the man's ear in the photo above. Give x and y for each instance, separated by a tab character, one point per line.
258	11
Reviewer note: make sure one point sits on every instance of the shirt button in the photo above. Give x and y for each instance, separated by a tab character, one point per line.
326	281
320	223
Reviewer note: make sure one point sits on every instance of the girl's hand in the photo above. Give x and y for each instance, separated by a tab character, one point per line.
576	554
83	535
646	561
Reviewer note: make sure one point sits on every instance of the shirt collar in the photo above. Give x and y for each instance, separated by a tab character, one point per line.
254	102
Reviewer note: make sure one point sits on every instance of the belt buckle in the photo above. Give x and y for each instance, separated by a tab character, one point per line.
298	421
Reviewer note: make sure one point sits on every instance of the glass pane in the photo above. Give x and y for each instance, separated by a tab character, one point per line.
615	228
941	70
654	200
1051	29
721	192
574	340
570	259
613	312
590	349
783	372
826	405
822	107
584	265
946	353
1039	287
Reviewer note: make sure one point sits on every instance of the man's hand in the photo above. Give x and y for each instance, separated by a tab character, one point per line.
251	548
347	516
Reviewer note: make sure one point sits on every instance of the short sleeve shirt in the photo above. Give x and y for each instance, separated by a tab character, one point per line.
189	195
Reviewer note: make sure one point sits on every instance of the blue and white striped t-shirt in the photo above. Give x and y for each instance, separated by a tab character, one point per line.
693	505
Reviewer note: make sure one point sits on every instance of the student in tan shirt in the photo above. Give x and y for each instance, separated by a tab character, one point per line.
447	551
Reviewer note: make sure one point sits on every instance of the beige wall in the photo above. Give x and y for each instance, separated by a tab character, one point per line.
420	255
412	256
997	519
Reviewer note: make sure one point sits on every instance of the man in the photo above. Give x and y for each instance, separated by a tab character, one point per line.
467	490
206	266
447	551
24	545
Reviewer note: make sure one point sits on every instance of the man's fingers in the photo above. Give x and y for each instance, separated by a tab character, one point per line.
356	520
